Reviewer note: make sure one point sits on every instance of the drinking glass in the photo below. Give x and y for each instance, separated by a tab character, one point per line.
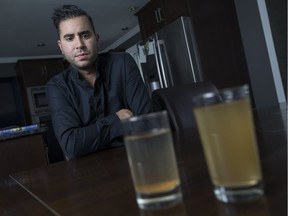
225	124
152	160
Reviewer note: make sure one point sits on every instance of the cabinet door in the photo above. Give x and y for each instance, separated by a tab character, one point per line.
30	73
158	13
151	18
38	72
53	67
174	9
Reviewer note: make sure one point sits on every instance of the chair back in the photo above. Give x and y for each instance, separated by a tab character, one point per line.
178	101
55	153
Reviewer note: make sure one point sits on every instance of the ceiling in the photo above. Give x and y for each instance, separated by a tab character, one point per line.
27	24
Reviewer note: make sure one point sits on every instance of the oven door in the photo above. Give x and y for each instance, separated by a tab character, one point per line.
37	100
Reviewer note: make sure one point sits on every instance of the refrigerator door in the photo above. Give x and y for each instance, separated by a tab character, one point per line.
178	53
168	58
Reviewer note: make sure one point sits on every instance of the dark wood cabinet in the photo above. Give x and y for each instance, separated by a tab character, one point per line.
38	72
34	74
158	13
174	9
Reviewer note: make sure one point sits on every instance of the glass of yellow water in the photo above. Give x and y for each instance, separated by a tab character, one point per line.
225	124
152	160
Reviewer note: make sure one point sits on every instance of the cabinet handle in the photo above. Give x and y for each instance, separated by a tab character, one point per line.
161	18
162	71
45	69
42	71
157	16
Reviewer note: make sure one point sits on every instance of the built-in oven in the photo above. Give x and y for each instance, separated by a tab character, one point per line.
38	106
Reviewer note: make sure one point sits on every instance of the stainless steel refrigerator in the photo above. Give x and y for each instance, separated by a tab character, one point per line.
169	57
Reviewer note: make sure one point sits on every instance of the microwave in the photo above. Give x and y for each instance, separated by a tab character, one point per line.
38	104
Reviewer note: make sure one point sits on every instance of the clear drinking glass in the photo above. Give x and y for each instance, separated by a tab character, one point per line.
226	128
152	161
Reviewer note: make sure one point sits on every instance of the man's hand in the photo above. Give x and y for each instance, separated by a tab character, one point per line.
124	114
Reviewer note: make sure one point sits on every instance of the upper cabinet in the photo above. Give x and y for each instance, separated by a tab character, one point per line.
38	72
158	13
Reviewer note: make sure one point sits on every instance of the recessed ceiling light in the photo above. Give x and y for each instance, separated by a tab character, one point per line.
133	8
41	45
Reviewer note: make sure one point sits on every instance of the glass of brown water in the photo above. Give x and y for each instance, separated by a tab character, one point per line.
152	161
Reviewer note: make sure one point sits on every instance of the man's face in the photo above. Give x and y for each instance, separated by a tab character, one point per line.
78	42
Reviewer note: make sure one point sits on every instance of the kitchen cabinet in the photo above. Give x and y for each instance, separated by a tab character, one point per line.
35	73
38	72
158	13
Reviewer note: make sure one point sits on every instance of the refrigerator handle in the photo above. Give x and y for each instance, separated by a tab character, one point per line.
158	66
161	63
157	17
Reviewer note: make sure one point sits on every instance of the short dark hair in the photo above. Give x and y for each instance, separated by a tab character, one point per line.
67	12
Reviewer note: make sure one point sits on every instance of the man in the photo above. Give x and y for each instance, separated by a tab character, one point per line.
90	98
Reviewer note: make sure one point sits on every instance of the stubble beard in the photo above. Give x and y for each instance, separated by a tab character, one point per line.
85	65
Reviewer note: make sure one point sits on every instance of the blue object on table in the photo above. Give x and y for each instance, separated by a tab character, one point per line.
19	131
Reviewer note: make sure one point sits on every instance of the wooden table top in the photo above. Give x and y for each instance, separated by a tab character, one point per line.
15	200
101	184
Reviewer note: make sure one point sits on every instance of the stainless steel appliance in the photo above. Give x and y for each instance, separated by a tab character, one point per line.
38	106
169	57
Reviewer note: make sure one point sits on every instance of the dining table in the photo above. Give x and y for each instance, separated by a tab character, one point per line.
101	183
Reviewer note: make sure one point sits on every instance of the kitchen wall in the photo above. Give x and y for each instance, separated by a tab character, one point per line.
264	48
7	70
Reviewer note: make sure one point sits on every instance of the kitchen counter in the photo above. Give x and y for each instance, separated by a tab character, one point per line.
14	132
22	148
